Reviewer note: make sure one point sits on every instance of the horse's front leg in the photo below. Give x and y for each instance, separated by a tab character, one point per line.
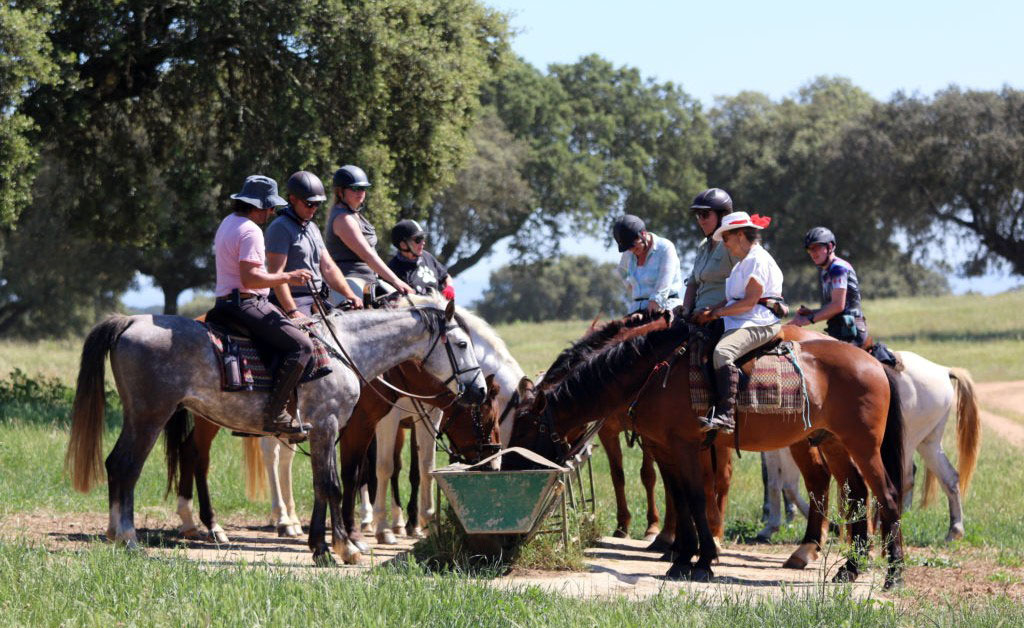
204	433
386	431
353	446
327	491
426	459
284	471
613	448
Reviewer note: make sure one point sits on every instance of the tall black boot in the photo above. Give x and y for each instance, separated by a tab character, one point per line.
277	419
727	383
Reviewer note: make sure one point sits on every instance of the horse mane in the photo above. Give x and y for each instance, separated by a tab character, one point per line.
471	321
615	369
600	337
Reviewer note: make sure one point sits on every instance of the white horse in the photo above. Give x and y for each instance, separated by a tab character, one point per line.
495	359
927	393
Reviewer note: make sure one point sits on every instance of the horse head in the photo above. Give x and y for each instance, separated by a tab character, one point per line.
456	365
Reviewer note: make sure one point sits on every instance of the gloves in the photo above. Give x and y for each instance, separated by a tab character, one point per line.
449	292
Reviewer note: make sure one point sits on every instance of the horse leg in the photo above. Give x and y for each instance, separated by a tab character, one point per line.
771	470
613	448
853	499
385	437
327	492
271	462
693	490
354	461
663	542
817	479
203	435
426	459
412	528
723	481
684	548
650	480
188	459
367	474
937	462
397	514
284	469
124	465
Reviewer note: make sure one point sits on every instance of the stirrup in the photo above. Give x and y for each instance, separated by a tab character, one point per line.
712	422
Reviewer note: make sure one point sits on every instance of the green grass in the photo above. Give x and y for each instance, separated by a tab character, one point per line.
102	586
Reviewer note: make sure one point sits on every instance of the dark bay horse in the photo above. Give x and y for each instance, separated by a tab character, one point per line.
850	394
161	363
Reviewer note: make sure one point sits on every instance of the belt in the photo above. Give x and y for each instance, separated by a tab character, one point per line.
674	295
241	295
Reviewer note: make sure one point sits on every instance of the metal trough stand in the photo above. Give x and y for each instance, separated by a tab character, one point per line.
503	502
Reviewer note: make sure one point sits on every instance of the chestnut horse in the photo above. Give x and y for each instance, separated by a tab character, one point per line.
850	395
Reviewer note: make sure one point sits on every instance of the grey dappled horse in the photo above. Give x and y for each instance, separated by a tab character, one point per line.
161	363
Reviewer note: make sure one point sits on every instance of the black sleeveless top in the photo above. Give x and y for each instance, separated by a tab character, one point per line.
347	260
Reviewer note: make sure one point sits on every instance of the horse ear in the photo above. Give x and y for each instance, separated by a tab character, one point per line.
525	386
449	311
493	388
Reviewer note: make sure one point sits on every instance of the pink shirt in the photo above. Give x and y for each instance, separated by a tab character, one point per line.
238	239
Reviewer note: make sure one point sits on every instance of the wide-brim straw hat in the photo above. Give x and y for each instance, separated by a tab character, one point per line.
739	220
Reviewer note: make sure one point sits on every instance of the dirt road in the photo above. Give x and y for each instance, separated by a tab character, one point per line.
1003	397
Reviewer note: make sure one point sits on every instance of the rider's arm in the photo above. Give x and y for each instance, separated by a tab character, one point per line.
666	273
275	264
336	279
254	276
346	227
751	294
834	307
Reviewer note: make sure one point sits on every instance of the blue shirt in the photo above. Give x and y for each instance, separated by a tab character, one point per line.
659	279
839	275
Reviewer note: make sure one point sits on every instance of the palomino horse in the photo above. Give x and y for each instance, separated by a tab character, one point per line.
927	392
161	363
850	395
495	361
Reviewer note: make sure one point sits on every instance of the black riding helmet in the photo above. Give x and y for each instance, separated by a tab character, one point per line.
626	229
405	230
819	235
351	177
715	199
307	186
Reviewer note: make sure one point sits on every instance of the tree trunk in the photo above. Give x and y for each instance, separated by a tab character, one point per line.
171	299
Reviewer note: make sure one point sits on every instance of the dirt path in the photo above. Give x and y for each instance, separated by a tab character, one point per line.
1007	397
615	566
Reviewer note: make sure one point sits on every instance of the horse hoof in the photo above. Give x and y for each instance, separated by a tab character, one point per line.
324	559
620	533
847	573
296	530
367	528
415	532
954	534
659	544
219	536
701	574
893	578
794	562
352	554
360	545
283	530
651	534
668	557
193	534
387	537
762	539
679	571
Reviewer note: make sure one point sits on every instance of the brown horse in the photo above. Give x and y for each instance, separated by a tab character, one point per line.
470	431
850	395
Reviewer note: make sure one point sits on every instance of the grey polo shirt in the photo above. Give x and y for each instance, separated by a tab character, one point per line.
302	243
711	268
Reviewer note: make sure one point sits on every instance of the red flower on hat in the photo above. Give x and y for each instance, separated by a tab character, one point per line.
761	221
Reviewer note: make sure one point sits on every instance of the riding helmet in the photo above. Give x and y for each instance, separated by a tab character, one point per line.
715	199
626	229
307	186
405	230
819	235
351	177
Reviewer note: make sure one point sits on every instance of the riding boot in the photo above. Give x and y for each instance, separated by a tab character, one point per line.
278	420
727	383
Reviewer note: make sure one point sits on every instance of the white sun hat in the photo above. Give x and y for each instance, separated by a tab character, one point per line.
739	220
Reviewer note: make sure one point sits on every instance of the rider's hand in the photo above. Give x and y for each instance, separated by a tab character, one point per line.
635	316
799	320
296	314
653	307
803	310
703	317
404	288
299	276
355	304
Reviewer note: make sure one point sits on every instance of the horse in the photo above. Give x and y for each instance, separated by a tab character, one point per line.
161	363
850	395
495	361
927	393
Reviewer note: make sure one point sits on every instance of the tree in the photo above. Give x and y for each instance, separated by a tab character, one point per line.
166	108
571	287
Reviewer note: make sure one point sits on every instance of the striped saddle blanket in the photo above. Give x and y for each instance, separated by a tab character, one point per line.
255	361
772	386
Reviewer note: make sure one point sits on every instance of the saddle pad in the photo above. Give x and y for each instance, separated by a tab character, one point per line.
774	387
255	374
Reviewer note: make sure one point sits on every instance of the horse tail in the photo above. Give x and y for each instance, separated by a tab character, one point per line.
176	434
255	478
82	461
892	440
968	426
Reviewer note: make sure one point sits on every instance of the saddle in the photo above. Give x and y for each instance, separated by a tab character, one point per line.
248	364
770	382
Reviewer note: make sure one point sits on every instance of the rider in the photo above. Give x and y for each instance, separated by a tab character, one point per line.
294	241
351	238
705	286
414	264
649	267
749	323
840	296
242	287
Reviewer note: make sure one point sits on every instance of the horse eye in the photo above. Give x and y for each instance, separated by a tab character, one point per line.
463	344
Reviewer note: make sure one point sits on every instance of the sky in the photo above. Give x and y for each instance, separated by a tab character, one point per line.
722	48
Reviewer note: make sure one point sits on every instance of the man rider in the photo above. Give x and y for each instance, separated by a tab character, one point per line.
414	265
294	241
243	284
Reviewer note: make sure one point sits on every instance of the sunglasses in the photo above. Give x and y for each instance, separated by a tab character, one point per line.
311	204
356	188
419	239
702	214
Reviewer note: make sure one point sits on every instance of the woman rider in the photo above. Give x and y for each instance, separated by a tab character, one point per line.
840	296
748	322
649	266
705	286
351	238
